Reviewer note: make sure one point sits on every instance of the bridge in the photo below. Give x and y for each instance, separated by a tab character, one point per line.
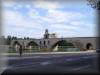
83	43
49	43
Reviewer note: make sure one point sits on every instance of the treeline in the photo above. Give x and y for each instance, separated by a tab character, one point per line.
10	38
16	38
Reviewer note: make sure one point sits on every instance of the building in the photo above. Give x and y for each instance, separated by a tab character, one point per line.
47	35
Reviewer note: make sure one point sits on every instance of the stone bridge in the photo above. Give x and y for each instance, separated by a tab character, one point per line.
83	43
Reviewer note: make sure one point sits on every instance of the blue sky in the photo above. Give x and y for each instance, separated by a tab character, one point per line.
31	18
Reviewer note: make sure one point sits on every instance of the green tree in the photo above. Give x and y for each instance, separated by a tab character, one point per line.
63	45
9	40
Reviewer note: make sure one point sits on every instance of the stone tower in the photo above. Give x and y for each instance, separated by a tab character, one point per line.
46	35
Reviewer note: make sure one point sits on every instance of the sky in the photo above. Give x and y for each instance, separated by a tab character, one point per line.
31	18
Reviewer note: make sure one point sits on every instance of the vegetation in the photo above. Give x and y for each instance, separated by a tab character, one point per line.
63	45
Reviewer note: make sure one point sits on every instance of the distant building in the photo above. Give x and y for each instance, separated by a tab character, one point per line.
53	35
47	35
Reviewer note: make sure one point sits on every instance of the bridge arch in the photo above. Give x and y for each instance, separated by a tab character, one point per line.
89	46
31	45
16	45
62	43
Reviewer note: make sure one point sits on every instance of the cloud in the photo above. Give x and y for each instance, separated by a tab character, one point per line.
15	18
33	14
46	4
76	23
8	3
64	27
26	23
67	14
16	24
58	16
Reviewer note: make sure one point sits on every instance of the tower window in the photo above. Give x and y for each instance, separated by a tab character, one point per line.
44	42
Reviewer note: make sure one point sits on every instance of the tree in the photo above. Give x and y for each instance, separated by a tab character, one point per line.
9	40
94	4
